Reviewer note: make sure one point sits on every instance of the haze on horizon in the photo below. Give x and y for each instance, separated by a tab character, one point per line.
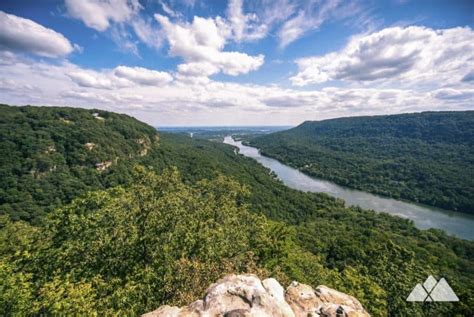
236	62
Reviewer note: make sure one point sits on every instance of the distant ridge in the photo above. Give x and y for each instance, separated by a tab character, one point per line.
421	157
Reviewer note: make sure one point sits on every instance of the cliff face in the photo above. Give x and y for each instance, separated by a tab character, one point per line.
246	295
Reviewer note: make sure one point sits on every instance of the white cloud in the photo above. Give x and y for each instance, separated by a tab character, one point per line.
98	14
190	101
448	94
201	43
24	35
272	12
119	77
123	39
84	95
197	69
14	87
240	26
310	16
412	54
292	18
235	63
167	9
91	79
143	76
245	27
432	69
148	34
118	16
196	40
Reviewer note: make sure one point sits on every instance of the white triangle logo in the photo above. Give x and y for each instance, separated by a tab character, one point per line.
432	290
442	292
418	294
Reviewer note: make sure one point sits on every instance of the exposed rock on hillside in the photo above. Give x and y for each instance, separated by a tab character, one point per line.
145	146
90	146
102	166
246	295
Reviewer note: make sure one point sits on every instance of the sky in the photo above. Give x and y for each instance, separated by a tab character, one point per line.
238	62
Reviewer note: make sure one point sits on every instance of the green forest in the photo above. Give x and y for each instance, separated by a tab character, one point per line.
48	156
170	214
423	157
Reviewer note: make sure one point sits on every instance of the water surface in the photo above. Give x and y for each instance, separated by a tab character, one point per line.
424	217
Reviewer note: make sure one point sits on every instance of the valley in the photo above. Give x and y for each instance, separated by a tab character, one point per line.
237	158
424	217
421	157
104	236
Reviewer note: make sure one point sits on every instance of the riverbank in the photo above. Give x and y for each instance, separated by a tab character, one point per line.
424	217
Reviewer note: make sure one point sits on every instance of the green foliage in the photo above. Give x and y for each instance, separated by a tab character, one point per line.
48	155
131	249
61	296
419	157
30	133
15	291
152	236
128	250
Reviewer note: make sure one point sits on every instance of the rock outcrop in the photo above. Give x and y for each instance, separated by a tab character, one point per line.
246	295
102	166
90	146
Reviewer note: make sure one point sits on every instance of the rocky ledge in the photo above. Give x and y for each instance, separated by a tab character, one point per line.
246	295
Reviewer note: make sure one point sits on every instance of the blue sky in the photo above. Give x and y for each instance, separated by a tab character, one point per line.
237	62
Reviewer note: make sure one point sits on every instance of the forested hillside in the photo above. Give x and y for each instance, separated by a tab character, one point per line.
50	155
192	211
424	157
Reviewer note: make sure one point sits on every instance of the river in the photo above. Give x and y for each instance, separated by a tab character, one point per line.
424	217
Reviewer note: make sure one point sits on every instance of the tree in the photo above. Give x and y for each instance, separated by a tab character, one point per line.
131	249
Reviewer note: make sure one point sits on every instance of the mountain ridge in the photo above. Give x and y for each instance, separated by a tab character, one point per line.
420	157
50	155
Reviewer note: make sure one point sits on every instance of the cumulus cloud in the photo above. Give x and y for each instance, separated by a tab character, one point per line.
125	18
412	53
24	35
201	45
349	100
119	77
196	40
127	89
98	14
197	69
91	79
291	18
143	76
